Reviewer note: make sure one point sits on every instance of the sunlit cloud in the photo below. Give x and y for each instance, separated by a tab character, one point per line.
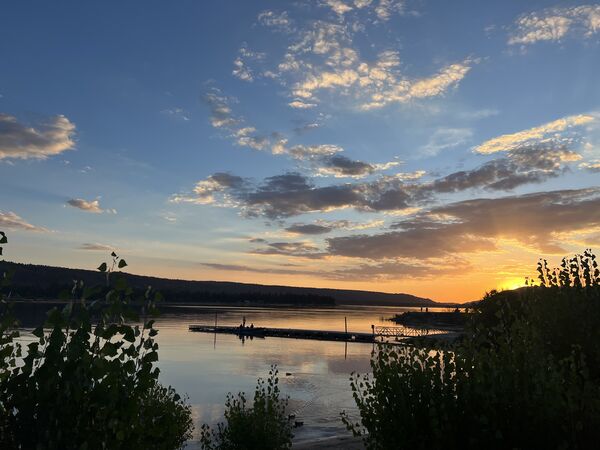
92	206
402	269
205	190
474	225
50	137
292	193
592	166
322	58
338	6
277	20
323	159
241	68
12	221
340	166
555	24
547	131
382	9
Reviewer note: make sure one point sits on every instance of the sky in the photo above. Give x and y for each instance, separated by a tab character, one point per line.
428	147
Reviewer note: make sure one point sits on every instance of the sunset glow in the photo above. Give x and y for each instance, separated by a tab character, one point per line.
431	148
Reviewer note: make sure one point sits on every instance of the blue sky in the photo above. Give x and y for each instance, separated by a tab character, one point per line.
417	146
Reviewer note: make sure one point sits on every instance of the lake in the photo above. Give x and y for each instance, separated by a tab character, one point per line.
207	366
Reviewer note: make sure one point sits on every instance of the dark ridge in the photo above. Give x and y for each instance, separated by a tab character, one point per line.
32	281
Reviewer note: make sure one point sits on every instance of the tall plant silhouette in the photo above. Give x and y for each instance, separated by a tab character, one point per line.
89	379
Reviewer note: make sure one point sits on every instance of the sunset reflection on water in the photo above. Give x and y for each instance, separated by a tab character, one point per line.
313	373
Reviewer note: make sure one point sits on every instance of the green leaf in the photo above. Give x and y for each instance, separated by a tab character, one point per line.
122	264
102	267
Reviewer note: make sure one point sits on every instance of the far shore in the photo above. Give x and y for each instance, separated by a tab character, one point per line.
167	303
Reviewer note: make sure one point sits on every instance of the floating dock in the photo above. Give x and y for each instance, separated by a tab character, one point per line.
259	332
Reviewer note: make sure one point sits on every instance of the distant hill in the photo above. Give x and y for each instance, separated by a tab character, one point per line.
46	282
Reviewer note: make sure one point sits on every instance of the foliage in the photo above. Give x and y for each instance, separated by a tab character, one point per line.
88	379
526	376
262	426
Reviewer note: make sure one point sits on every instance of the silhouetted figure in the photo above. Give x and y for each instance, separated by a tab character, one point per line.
251	326
426	309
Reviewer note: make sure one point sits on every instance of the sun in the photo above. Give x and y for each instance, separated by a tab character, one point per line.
512	283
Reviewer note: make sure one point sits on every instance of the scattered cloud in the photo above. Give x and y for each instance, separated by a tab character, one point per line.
279	21
205	190
323	60
555	24
221	115
382	9
401	269
445	138
306	127
12	221
386	8
323	159
292	193
40	141
96	247
340	166
533	164
223	118
338	6
592	166
326	226
543	133
89	206
321	57
300	104
254	269
309	228
532	220
295	249
307	152
177	113
241	68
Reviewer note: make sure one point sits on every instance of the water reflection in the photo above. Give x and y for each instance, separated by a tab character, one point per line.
314	374
207	366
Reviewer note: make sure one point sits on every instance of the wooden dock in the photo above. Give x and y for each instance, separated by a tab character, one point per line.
258	332
379	334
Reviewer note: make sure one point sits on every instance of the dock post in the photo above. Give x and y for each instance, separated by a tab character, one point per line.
215	321
346	324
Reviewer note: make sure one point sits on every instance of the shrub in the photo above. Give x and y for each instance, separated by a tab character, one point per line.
526	376
88	380
262	426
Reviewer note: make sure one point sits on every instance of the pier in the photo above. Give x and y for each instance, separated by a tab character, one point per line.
258	332
378	334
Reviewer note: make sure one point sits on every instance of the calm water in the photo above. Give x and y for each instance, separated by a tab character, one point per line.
206	366
314	374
